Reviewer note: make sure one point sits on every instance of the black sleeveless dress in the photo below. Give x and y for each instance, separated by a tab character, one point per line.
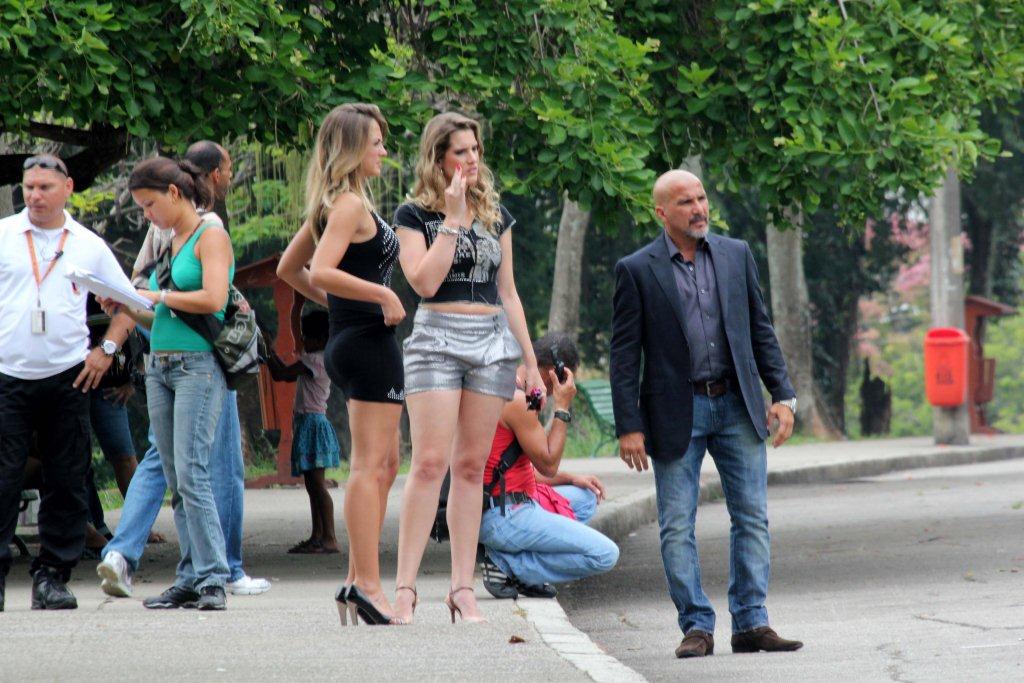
362	356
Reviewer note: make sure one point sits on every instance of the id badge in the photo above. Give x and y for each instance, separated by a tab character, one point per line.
38	321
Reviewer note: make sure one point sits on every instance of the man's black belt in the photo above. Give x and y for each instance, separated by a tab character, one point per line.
511	498
715	387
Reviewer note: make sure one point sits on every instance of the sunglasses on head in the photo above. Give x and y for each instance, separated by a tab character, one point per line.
48	163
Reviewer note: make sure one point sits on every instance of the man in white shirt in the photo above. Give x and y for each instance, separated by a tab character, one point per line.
47	370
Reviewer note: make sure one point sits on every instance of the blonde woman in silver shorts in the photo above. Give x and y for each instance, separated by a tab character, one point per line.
460	360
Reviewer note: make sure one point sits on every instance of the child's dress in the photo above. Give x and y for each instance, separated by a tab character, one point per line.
314	443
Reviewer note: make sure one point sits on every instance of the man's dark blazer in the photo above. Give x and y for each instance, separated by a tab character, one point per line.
648	338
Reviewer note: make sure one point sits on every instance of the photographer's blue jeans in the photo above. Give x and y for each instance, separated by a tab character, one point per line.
185	393
722	427
146	494
538	546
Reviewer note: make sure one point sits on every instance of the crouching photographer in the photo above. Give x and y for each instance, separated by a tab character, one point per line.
533	530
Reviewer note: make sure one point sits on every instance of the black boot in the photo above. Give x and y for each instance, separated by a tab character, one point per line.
50	591
3	589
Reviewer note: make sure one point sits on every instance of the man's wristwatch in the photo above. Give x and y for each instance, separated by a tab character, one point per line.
109	347
789	403
563	415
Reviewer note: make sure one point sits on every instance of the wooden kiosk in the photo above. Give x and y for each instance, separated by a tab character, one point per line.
276	398
981	370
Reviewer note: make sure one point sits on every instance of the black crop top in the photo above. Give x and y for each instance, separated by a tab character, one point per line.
372	260
474	271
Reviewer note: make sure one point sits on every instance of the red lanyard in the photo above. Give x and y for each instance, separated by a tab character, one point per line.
35	263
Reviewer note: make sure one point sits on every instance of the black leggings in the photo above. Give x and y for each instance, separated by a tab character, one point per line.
364	361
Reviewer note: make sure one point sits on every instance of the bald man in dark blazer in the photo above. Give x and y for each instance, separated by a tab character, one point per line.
691	344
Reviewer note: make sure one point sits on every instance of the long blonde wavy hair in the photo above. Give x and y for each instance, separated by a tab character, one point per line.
337	157
430	185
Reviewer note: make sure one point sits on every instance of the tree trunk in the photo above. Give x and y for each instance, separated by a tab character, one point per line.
980	230
564	315
833	365
791	310
949	425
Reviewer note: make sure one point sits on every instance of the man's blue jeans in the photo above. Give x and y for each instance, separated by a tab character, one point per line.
146	493
538	546
722	427
185	393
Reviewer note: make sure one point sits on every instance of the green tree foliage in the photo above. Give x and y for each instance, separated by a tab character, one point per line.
808	105
564	94
994	212
1002	342
91	74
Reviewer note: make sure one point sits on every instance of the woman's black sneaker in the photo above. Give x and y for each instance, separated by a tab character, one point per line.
211	598
172	598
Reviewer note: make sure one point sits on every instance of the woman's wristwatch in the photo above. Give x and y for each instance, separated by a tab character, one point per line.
563	415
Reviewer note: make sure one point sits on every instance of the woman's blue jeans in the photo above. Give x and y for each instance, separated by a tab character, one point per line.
185	393
146	493
722	427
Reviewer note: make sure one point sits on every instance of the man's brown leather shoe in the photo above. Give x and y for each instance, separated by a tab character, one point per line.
696	644
763	638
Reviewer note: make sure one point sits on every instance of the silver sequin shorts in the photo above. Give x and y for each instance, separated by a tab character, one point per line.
461	351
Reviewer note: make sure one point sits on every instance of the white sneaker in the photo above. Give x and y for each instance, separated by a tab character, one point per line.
117	578
247	586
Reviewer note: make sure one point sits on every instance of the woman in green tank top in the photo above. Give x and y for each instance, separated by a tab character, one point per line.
185	386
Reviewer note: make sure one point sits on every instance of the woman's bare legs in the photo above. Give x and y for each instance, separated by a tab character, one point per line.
373	428
433	419
390	474
478	419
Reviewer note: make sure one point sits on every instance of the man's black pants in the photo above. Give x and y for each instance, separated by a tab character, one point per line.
56	416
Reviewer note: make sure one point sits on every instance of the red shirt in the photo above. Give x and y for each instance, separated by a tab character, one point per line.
520	477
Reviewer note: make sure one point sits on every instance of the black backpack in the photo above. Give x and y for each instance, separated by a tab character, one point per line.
439	532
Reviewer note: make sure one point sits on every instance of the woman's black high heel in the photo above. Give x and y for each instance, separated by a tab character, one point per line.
341	598
360	607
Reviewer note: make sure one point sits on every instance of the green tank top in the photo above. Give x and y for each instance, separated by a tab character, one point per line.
169	332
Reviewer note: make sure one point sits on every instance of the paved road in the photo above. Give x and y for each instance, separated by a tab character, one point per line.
917	575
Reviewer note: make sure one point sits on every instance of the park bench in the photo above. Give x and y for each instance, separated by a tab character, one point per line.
598	395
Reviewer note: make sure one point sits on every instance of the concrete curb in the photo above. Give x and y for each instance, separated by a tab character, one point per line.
573	645
619	518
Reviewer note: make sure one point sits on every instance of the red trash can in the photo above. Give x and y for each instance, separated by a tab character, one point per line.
945	366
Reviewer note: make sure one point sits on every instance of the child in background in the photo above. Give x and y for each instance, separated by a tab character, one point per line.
314	444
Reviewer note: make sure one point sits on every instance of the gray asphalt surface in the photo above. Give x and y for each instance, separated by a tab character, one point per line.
917	575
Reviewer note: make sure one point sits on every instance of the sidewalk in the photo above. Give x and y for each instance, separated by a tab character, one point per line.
293	631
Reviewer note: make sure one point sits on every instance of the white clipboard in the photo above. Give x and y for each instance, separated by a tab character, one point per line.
102	288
